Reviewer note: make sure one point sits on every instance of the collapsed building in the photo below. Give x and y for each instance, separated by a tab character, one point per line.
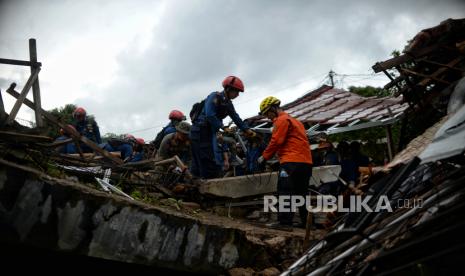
95	206
422	236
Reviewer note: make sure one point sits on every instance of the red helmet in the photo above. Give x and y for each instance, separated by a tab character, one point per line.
234	82
176	115
140	141
130	137
79	112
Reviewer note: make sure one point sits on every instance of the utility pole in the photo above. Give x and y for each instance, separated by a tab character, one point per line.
331	77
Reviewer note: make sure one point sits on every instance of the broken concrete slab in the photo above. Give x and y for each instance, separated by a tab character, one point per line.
263	183
241	186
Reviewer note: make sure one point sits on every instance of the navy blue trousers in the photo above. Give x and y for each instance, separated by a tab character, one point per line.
293	180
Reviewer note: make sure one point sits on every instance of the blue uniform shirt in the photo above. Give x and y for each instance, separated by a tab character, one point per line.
89	129
217	107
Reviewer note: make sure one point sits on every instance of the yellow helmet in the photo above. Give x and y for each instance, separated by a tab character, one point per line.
267	103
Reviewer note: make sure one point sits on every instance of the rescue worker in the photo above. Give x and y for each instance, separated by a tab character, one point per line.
359	158
176	143
208	120
68	148
87	127
255	148
349	167
175	118
289	141
124	146
328	156
138	150
325	155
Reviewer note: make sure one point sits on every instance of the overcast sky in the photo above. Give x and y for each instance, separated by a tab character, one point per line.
130	62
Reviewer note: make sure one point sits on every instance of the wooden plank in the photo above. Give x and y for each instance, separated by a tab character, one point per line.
10	135
395	82
440	71
443	65
2	109
22	96
57	143
78	147
23	168
427	78
19	62
71	131
390	144
151	161
388	64
93	156
35	85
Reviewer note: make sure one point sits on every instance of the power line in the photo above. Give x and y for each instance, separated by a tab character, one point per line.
283	89
327	77
145	129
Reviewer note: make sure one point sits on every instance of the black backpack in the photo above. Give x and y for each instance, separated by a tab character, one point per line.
196	110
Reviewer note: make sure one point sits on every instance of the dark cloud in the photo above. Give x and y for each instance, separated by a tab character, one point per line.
269	44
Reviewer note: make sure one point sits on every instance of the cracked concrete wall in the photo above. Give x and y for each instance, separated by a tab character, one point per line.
68	217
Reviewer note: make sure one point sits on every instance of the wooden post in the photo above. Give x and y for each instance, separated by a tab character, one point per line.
308	228
74	134
2	109
35	85
22	96
390	144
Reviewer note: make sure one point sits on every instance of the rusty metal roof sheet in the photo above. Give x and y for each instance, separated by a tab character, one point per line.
328	105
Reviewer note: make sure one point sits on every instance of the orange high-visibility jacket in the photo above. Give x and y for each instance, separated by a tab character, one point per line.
289	140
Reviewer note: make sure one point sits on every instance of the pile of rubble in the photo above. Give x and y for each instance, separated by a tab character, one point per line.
424	183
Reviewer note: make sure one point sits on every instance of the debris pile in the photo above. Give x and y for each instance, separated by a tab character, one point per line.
422	234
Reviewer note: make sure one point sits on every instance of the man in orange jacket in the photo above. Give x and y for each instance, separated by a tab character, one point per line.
289	141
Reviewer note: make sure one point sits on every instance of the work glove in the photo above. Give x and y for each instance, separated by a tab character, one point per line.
177	170
351	184
261	159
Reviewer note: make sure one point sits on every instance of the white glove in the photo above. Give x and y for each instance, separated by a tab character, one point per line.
177	170
261	159
352	184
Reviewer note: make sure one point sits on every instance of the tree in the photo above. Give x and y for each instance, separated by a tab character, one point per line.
369	91
110	135
63	114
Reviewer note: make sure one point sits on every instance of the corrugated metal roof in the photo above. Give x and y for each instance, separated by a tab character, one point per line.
328	106
417	145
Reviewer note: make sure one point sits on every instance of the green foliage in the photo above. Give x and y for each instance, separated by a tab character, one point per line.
369	91
136	194
110	135
175	203
395	53
63	114
370	137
